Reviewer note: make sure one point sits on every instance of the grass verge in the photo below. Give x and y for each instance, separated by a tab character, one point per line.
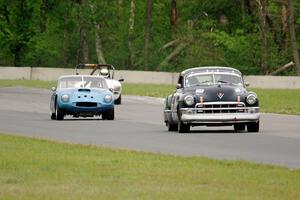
283	101
39	169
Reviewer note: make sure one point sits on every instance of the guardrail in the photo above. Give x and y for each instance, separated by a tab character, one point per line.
51	74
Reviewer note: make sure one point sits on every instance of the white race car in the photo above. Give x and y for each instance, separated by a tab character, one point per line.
107	71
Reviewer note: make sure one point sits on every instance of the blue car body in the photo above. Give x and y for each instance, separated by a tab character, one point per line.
81	100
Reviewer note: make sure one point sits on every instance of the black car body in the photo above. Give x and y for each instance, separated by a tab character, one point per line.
211	96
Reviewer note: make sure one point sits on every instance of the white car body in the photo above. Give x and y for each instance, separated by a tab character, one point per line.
116	88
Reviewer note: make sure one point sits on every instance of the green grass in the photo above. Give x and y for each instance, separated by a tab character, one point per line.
284	101
39	169
27	83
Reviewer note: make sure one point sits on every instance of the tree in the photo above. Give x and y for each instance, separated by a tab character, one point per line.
20	27
147	31
293	35
283	25
83	51
263	34
173	16
98	45
130	34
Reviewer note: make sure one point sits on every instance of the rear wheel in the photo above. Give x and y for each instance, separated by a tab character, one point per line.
183	128
253	127
239	127
108	115
119	100
59	113
172	127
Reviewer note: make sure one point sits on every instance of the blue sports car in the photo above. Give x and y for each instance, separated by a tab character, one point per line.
81	96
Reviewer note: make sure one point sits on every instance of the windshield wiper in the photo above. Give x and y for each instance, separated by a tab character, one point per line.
222	81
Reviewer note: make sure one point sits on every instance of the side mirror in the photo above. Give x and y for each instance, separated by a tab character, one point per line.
247	84
178	86
121	79
53	89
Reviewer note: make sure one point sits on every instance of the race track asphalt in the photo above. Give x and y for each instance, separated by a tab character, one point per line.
138	125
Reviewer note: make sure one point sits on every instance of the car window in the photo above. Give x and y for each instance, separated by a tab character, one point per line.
94	82
212	78
82	82
228	78
198	79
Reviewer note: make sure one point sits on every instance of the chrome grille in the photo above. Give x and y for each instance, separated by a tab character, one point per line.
221	107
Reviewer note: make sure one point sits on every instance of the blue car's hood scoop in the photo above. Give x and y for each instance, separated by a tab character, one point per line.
84	90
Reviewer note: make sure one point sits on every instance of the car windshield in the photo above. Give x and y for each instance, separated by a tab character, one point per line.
212	78
82	82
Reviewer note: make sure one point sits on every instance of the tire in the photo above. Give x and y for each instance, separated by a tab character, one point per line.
239	127
52	116
253	127
172	127
183	128
59	113
119	100
108	115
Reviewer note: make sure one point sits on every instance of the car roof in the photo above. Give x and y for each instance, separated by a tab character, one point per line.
210	69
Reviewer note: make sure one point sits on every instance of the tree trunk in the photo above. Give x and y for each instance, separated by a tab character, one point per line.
173	17
130	34
293	35
173	54
98	45
283	68
83	45
99	52
147	32
283	26
243	9
263	35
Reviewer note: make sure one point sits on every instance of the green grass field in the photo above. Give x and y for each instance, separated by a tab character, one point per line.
282	101
39	169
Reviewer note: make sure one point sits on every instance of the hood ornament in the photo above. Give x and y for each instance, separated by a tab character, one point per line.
220	95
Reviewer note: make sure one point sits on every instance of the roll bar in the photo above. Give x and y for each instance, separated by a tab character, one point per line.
96	67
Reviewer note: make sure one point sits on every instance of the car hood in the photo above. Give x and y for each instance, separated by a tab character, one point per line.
84	94
219	92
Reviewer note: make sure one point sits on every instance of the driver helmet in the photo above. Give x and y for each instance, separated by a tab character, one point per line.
104	72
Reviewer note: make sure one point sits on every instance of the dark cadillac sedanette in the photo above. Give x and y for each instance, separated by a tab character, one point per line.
211	96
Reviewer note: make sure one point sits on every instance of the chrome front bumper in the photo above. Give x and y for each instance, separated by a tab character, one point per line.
220	114
220	118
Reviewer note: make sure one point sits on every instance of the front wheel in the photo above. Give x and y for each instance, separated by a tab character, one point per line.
172	127
119	100
53	116
109	115
183	128
59	113
239	127
253	127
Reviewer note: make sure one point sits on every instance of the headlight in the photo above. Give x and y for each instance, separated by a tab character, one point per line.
251	99
189	100
65	97
107	98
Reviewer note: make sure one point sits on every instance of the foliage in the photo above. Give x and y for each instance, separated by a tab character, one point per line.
47	33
